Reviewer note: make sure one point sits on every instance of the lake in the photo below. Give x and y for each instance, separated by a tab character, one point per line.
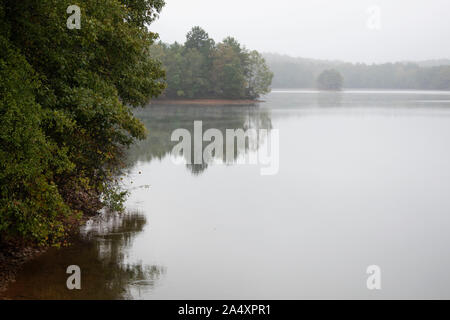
363	179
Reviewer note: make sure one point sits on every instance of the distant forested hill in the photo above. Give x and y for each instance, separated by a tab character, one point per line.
292	72
433	63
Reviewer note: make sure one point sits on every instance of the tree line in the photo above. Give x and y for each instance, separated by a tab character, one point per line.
303	73
66	99
201	68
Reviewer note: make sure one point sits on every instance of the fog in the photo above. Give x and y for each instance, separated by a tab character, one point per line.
350	30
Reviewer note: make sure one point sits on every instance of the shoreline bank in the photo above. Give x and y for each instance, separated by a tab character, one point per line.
12	259
205	102
14	255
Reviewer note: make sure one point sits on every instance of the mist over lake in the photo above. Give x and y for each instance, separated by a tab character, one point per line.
221	158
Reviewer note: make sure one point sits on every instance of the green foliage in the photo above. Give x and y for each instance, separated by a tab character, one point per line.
228	73
65	98
259	76
30	204
329	80
202	69
199	39
114	198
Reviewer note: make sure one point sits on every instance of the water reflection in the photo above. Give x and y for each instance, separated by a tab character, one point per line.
102	252
330	99
366	183
162	120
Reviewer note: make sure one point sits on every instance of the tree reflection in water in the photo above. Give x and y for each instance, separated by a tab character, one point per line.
103	249
101	252
162	120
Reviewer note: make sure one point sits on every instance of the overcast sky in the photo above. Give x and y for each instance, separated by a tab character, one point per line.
324	29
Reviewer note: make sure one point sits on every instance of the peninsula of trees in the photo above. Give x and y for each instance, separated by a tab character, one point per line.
203	69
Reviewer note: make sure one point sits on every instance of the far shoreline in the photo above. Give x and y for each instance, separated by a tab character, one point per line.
215	102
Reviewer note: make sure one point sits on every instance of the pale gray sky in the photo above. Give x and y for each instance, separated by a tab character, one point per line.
322	29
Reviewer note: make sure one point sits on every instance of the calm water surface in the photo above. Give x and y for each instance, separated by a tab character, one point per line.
364	179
